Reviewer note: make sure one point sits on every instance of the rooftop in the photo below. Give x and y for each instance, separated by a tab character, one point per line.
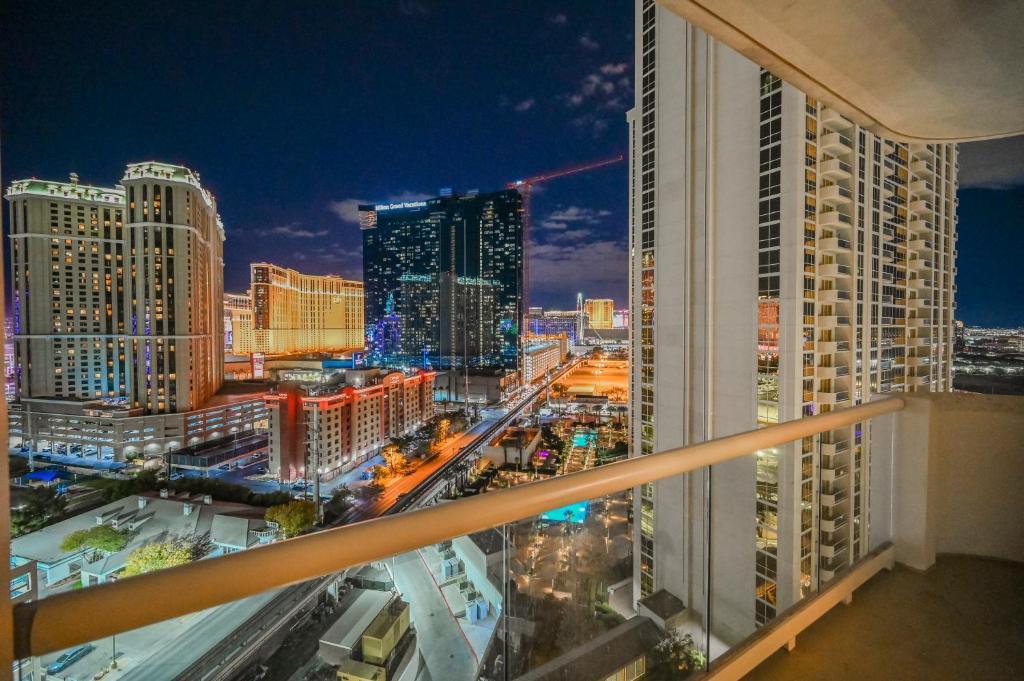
148	517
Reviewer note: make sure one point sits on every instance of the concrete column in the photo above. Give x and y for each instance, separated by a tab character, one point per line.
902	442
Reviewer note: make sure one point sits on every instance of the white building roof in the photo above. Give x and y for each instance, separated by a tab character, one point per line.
149	518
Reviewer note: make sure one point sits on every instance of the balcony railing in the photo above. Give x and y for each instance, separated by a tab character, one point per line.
76	617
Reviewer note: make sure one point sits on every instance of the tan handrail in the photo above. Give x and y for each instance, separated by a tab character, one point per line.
75	617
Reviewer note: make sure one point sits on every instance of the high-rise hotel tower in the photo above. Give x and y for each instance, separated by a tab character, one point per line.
444	280
118	292
117	305
785	262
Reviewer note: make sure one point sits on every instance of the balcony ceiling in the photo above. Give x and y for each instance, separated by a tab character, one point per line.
910	70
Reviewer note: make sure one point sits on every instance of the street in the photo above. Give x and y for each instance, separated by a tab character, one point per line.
376	506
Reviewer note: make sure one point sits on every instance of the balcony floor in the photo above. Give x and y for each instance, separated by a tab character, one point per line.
962	619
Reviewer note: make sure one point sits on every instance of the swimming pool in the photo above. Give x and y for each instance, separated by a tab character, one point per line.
582	439
577	513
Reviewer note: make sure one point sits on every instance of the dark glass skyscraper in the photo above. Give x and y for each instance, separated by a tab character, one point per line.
444	280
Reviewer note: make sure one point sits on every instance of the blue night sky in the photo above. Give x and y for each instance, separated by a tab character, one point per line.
294	114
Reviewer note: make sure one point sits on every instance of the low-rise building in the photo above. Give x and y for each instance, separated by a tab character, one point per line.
543	353
332	428
147	518
513	446
110	429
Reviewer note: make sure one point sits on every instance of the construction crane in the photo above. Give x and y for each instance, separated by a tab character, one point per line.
525	188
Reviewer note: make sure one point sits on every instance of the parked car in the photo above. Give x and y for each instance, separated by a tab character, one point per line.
69	658
176	476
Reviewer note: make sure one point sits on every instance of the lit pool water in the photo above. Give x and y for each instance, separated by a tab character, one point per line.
582	439
577	513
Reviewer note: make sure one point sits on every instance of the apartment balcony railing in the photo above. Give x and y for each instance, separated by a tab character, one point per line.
834	448
831	295
832	475
833	396
835	194
919	244
832	550
834	270
834	498
537	551
920	227
835	143
834	219
920	206
922	151
833	321
835	169
834	120
827	347
922	188
834	244
833	524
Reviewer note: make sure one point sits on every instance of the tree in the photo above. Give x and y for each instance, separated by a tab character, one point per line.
442	431
42	506
394	459
616	394
293	518
379	475
100	538
676	657
157	556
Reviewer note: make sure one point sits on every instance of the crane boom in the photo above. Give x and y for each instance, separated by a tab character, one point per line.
572	170
525	187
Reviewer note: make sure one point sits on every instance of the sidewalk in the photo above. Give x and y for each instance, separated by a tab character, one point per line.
478	634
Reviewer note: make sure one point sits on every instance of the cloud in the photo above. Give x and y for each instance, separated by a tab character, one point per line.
614	69
412	8
568	236
992	164
559	19
562	218
525	105
594	124
348	209
609	87
293	230
589	43
598	266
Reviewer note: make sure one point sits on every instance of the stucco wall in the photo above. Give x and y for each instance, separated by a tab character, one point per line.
977	444
958	471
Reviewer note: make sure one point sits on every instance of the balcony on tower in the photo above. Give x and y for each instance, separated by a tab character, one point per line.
835	169
835	219
835	195
833	120
923	189
834	270
834	244
923	169
835	143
